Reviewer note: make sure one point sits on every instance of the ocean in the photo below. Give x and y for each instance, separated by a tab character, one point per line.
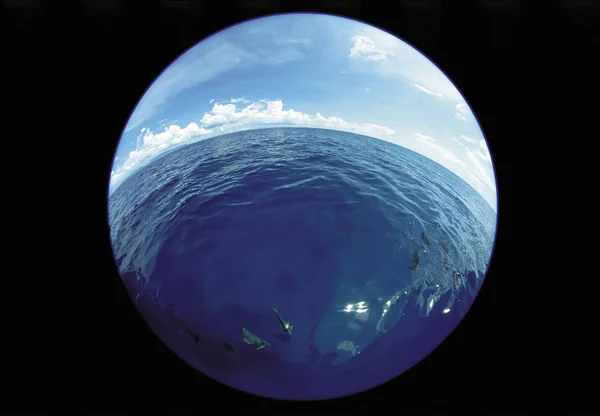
321	223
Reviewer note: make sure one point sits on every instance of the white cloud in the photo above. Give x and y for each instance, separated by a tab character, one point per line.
212	100
224	118
149	145
462	111
470	140
478	170
472	161
239	100
195	67
165	123
453	158
428	91
478	147
227	117
430	148
365	47
281	41
480	161
394	57
477	167
207	60
477	183
425	138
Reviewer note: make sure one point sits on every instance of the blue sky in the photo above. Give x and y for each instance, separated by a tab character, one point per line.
311	71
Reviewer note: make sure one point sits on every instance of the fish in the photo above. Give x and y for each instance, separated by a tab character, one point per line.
456	278
444	245
193	335
250	338
425	238
227	345
156	296
415	260
285	325
446	265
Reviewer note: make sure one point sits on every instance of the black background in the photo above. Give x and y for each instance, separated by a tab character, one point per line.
78	70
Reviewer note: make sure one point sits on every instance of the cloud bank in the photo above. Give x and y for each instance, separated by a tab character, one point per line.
226	118
150	145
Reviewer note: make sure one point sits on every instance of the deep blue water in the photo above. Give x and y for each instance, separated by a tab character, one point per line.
322	224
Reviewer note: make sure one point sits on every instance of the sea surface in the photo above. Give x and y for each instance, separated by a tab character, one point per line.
320	223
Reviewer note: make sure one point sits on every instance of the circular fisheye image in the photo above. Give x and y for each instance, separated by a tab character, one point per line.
302	206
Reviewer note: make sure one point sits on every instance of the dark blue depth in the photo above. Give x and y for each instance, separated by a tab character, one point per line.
323	224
